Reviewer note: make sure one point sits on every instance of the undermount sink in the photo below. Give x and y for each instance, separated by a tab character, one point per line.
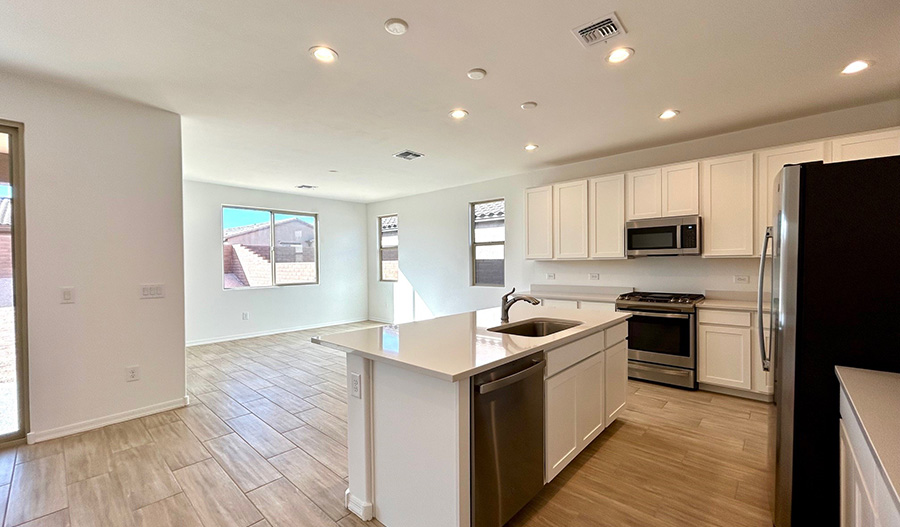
535	327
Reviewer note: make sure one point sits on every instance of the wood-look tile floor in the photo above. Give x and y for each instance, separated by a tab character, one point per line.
263	444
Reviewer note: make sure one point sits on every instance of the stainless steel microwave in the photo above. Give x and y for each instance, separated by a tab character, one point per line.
663	236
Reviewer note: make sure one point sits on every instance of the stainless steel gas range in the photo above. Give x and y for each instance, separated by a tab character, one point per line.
662	342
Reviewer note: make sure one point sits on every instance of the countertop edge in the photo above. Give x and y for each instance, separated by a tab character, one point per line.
731	305
881	469
459	376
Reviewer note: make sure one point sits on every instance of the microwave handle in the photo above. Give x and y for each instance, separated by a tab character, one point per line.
759	301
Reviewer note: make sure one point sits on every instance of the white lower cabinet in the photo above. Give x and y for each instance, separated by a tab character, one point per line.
616	380
724	356
582	395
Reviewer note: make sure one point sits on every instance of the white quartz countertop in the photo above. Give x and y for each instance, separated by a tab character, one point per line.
875	397
456	347
731	305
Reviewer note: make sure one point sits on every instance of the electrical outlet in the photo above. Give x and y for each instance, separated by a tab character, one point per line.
245	315
132	373
551	276
149	291
594	276
356	385
66	295
741	279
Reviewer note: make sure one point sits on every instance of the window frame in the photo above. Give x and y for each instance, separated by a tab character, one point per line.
272	213
381	248
473	244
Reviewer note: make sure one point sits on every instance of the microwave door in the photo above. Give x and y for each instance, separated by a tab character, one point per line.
663	240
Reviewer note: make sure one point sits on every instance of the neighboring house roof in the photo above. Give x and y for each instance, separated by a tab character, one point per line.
5	211
492	210
244	229
389	223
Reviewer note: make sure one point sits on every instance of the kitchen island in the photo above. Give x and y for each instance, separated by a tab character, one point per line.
410	403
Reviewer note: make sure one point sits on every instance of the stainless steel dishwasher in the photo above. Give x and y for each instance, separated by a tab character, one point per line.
507	439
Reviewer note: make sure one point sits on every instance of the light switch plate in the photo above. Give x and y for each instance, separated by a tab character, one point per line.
356	385
551	276
594	276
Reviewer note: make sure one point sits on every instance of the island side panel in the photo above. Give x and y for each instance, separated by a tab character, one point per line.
420	449
359	495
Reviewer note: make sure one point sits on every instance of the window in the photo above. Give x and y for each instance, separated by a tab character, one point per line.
266	247
388	248
488	242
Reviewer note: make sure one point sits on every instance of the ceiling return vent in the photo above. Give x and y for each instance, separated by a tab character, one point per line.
408	155
599	30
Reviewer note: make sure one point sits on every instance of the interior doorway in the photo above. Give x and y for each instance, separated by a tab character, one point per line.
13	349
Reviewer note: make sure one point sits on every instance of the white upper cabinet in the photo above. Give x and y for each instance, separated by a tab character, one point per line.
539	223
680	192
606	224
643	194
768	164
866	146
570	219
726	206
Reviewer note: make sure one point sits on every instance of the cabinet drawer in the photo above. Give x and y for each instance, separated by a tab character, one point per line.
561	358
616	334
725	318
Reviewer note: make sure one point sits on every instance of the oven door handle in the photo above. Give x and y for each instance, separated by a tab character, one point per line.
658	315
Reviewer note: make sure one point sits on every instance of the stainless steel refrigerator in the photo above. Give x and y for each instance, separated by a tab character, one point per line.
835	300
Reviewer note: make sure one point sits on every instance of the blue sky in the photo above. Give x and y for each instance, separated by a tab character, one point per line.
240	217
5	191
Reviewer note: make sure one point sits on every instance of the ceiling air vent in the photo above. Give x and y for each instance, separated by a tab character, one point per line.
408	155
599	30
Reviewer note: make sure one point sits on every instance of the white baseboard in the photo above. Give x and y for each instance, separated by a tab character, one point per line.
91	424
228	338
734	392
363	509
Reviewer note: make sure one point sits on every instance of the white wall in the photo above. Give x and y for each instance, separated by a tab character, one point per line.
103	182
214	314
434	255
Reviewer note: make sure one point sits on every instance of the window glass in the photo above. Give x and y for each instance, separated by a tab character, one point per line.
488	242
388	247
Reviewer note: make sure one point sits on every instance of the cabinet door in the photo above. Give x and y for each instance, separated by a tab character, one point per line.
643	194
857	509
561	435
607	216
616	380
590	410
726	187
866	146
570	220
609	307
723	356
768	164
565	304
681	190
539	223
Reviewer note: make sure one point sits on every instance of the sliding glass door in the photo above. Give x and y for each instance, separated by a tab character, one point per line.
13	388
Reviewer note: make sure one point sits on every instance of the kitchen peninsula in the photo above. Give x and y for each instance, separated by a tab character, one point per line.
413	401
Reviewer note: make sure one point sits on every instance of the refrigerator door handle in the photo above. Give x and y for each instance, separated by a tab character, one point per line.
759	301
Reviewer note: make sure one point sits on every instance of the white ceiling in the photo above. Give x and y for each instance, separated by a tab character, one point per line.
259	112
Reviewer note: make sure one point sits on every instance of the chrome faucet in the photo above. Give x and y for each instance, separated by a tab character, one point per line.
507	303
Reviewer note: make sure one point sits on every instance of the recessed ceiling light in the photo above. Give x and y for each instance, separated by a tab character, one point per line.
530	105
476	74
396	26
531	147
333	171
459	113
323	54
307	187
619	55
855	67
668	114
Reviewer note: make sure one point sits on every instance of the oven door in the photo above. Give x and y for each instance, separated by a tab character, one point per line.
662	338
653	240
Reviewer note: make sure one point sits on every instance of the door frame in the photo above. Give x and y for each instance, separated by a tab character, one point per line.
16	133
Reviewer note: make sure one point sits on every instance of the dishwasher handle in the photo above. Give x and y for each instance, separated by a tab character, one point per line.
489	387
